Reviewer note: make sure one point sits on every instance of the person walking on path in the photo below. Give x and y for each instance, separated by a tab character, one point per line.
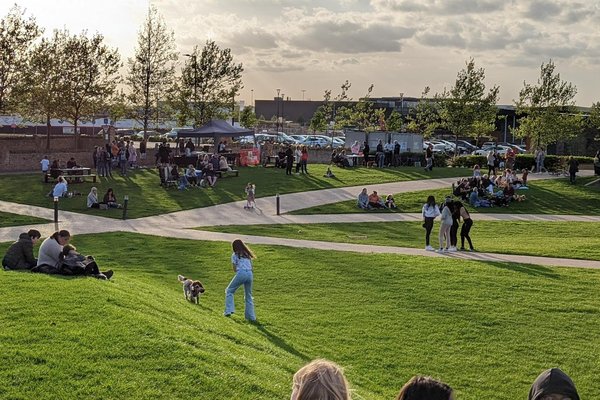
540	154
429	157
466	227
241	259
445	225
430	212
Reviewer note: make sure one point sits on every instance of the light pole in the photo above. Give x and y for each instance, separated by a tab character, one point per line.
282	112
252	97
277	105
194	65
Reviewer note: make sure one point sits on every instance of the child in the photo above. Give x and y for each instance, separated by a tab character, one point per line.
389	201
524	177
73	263
329	174
241	259
250	188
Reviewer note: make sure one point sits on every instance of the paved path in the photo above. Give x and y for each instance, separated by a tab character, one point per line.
177	224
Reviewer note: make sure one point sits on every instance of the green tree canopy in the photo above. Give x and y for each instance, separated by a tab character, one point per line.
425	118
548	109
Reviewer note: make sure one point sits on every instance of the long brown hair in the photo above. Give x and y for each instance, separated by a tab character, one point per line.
424	388
241	249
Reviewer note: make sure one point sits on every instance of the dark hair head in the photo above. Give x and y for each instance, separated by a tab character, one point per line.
67	248
241	249
431	201
63	233
424	388
34	234
109	190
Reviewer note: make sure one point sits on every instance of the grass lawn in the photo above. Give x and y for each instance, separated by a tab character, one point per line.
486	329
552	239
551	196
146	197
10	219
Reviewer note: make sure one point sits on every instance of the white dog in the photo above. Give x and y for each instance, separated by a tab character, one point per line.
191	289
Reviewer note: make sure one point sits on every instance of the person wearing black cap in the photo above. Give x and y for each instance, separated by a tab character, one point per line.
553	384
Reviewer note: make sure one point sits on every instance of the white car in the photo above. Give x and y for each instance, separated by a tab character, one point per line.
316	141
483	152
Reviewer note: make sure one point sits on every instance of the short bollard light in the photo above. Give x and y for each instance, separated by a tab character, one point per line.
277	203
125	202
56	212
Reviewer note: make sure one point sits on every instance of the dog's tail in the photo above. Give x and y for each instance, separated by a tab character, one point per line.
181	278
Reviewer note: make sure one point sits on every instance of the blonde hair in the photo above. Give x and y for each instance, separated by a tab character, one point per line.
320	380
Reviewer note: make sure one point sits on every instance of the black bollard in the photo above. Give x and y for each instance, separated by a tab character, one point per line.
56	213
125	202
277	202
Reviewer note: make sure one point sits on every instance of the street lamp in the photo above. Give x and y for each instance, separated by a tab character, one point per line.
401	103
282	112
277	105
195	66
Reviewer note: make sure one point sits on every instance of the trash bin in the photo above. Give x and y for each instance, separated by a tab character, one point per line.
417	163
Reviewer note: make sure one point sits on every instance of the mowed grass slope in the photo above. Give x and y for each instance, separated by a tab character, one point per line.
10	219
146	197
550	196
546	239
486	329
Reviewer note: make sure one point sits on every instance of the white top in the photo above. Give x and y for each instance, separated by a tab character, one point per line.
430	212
446	218
92	199
49	252
45	164
388	147
241	263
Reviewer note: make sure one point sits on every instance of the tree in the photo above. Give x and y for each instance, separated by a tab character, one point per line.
424	118
394	121
88	76
152	70
318	122
17	36
467	109
548	109
247	117
43	79
209	81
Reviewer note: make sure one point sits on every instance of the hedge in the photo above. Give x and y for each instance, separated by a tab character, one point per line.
551	162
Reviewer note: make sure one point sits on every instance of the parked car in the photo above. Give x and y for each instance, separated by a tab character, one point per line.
140	134
299	138
172	134
468	146
316	141
484	151
125	132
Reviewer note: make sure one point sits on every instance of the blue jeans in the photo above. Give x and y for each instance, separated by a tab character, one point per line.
243	277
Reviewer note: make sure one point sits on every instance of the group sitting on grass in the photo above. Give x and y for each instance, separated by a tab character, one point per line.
56	256
325	380
371	201
204	176
490	191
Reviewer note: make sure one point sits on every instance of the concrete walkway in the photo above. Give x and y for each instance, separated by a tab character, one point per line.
177	224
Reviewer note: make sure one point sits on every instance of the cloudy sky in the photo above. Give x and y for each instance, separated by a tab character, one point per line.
400	46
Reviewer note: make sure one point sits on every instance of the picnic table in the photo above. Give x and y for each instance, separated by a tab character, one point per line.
70	174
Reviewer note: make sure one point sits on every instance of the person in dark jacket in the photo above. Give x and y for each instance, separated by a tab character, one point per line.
20	254
573	169
555	384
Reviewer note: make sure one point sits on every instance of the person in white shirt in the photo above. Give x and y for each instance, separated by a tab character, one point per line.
445	225
430	212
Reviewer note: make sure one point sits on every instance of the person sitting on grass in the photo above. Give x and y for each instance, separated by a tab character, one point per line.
190	174
92	198
73	263
209	175
389	202
477	171
425	388
20	254
375	201
363	200
320	380
60	189
223	166
475	201
553	384
50	252
110	199
329	174
509	192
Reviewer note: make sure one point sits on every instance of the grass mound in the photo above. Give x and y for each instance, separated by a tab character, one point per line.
486	329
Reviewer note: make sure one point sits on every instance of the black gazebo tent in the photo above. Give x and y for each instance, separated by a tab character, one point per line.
215	128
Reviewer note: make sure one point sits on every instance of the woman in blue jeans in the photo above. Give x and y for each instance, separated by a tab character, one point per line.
241	259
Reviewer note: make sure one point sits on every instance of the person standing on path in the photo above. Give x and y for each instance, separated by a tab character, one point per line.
429	157
430	212
540	154
455	209
445	225
241	259
289	159
573	169
466	227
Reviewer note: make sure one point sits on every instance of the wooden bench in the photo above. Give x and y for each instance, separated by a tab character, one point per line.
70	177
225	174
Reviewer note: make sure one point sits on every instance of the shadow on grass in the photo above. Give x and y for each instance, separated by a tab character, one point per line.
279	342
529	269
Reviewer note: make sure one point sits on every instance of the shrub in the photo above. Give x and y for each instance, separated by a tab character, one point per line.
468	161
